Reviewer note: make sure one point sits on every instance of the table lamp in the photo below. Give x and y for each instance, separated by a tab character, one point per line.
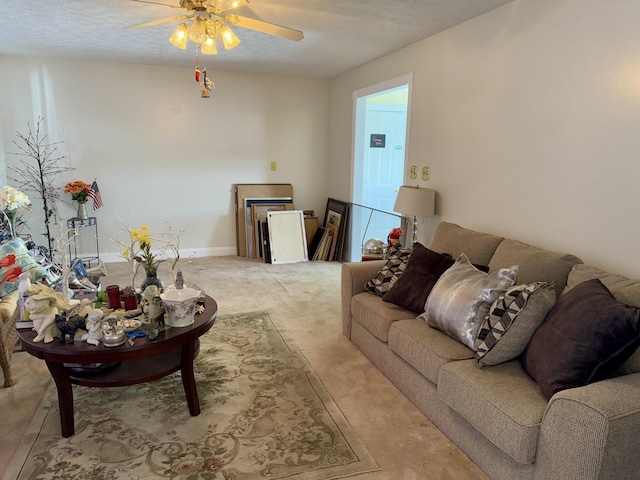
415	202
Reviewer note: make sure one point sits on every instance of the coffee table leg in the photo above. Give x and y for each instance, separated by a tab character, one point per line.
188	378
65	397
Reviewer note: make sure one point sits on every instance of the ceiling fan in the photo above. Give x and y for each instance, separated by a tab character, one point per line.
211	20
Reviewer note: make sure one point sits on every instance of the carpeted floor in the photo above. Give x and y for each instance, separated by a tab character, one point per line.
305	299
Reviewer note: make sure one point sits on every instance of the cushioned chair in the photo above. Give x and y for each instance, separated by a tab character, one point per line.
8	334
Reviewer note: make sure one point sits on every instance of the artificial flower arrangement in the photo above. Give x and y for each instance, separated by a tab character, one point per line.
78	189
144	256
137	250
394	236
11	200
396	233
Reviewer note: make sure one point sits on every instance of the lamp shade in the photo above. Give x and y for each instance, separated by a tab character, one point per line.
179	37
415	202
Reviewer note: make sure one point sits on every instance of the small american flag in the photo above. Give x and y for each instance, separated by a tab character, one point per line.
94	194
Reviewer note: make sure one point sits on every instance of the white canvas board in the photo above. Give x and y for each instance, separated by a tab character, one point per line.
287	236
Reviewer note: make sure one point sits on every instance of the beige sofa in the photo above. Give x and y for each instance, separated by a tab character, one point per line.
497	415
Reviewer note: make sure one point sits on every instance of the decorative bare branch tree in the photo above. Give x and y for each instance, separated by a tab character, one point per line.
63	241
172	240
39	177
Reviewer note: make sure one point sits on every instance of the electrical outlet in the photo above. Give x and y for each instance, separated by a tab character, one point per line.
274	166
426	173
413	172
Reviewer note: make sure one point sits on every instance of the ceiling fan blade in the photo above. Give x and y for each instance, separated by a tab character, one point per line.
156	3
157	22
268	28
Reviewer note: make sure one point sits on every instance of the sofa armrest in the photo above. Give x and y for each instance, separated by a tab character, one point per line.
591	432
354	276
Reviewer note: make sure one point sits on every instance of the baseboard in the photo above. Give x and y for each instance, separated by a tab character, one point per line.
185	253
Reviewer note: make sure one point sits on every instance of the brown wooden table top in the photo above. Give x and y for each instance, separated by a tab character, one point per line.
81	352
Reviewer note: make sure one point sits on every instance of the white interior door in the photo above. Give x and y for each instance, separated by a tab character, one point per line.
379	161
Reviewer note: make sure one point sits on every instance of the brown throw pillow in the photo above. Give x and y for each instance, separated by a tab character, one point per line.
584	337
424	268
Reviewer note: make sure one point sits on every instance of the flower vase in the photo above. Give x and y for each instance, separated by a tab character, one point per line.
82	210
11	217
151	278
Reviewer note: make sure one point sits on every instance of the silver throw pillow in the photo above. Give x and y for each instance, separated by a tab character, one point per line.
462	296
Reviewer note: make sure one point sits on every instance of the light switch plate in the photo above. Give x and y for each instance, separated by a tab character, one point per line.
413	172
426	173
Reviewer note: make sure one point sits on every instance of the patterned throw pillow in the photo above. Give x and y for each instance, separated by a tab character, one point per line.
501	337
389	274
15	259
462	297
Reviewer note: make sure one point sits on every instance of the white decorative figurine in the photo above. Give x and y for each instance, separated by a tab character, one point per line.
42	304
42	312
94	327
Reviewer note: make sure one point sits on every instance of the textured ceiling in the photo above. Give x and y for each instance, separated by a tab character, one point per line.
339	35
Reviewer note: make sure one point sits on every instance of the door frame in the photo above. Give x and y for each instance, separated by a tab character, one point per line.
357	148
357	132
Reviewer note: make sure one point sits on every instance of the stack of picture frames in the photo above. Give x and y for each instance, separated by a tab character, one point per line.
328	242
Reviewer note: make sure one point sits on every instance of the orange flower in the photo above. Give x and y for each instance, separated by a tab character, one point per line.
78	190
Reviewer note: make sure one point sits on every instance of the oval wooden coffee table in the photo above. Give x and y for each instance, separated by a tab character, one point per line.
147	360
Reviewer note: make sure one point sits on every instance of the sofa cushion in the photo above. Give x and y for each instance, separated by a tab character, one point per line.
585	337
375	315
534	264
502	402
511	322
624	290
454	240
462	296
424	348
390	272
423	271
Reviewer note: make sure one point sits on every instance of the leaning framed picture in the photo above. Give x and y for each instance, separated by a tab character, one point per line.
336	215
287	236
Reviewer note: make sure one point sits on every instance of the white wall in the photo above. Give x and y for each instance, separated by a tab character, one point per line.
529	117
159	151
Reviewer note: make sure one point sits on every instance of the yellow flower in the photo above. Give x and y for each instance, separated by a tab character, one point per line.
125	252
141	236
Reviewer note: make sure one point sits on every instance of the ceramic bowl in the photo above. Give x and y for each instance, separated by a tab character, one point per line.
180	305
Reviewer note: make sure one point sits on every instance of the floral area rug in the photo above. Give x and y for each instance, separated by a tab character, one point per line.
264	415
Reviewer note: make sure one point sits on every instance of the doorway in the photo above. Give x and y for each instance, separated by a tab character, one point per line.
379	160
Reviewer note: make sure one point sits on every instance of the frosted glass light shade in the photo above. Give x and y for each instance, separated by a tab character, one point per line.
209	46
179	37
198	34
229	39
231	4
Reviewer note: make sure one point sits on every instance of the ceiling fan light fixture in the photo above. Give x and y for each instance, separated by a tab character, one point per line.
198	33
231	4
179	37
209	47
229	39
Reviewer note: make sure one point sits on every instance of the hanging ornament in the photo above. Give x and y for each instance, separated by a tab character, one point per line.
197	74
206	85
